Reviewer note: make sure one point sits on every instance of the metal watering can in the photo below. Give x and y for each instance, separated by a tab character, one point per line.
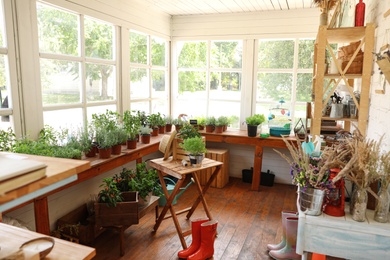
170	186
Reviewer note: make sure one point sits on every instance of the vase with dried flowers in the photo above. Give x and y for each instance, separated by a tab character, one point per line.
310	174
383	202
360	163
325	6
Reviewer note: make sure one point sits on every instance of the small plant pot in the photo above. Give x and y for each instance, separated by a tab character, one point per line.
131	144
155	132
104	153
252	130
177	128
145	139
196	160
210	128
91	152
219	129
161	129
201	127
168	128
116	149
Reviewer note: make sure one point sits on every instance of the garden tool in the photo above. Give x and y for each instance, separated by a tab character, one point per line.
288	251
208	232
308	147
195	244
281	244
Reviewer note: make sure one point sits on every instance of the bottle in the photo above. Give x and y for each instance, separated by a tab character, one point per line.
360	13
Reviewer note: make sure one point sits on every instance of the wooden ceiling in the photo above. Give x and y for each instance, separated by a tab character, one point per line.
200	7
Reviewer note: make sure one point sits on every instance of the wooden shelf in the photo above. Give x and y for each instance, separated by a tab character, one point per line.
340	119
345	35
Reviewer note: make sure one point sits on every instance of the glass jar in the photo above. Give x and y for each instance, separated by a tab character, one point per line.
382	205
359	204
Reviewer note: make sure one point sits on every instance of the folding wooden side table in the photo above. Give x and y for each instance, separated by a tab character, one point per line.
176	169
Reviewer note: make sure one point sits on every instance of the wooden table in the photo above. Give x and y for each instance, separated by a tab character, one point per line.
233	136
343	237
14	237
176	169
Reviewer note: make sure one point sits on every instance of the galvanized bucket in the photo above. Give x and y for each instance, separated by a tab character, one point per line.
310	201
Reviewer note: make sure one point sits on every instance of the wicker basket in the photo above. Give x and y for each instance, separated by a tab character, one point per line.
355	68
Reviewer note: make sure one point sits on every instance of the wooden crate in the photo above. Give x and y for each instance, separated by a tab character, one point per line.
220	155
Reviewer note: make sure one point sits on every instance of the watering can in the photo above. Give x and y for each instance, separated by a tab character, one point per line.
170	186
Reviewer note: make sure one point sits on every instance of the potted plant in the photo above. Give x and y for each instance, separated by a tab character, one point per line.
154	121
145	134
201	122
188	131
105	139
178	124
86	137
210	124
145	182
196	148
253	122
220	123
132	125
121	137
168	123
161	124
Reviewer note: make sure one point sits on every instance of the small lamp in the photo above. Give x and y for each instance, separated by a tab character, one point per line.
335	199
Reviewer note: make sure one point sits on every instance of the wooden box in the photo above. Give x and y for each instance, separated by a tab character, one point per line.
77	226
124	214
220	155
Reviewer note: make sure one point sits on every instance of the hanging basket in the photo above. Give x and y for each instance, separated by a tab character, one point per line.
310	201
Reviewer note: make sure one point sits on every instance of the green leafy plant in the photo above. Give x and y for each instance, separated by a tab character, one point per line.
85	138
105	138
109	194
256	119
168	119
188	131
145	181
210	120
120	134
201	120
108	120
194	145
142	117
7	140
154	120
145	130
222	121
131	124
177	122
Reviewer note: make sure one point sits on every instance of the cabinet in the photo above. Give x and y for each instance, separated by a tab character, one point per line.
325	84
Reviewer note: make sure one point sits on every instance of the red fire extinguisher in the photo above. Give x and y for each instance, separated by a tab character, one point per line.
360	13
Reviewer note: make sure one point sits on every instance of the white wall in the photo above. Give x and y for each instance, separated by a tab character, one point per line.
378	123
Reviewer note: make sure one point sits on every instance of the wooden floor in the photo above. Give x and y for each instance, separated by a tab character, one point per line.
247	222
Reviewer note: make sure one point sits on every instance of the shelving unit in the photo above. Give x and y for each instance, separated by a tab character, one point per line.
327	83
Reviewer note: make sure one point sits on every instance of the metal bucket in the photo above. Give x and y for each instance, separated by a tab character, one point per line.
310	201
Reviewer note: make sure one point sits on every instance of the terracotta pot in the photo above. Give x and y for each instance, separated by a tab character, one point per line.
155	132
116	149
104	153
201	127
91	152
177	128
225	128
131	144
168	128
161	129
145	139
219	129
209	128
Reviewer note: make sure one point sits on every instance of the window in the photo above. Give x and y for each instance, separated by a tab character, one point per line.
148	73
284	73
7	84
78	66
209	79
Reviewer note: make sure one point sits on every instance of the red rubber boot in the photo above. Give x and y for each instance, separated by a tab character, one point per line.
208	232
285	215
195	244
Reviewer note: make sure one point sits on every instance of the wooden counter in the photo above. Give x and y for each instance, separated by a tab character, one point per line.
14	237
233	136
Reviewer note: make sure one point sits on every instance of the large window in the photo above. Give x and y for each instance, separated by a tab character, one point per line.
285	70
78	66
209	75
149	88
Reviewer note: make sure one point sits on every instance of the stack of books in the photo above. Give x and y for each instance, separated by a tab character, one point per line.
17	171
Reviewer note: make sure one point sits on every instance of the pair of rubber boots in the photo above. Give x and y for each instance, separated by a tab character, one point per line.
203	236
286	248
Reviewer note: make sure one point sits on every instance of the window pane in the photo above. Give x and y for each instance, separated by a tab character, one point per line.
99	110
158	81
4	85
192	81
158	51
192	54
304	87
70	118
6	122
160	106
192	104
225	85
274	86
60	81
305	52
229	109
226	54
139	83
276	54
138	48
2	30
99	41
140	106
58	31
100	82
